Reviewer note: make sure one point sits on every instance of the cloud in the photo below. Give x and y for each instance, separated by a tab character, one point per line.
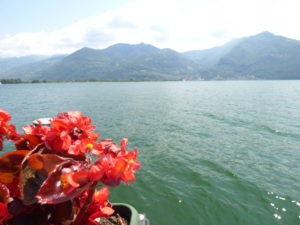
119	22
94	37
177	24
219	33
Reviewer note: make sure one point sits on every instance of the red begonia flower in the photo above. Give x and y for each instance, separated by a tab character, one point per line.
4	215
6	130
56	171
71	132
131	166
100	207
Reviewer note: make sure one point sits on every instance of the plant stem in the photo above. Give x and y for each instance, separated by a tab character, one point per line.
86	204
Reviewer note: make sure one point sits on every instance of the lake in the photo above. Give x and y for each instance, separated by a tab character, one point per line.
216	152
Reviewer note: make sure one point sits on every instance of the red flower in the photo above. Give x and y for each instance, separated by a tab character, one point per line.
57	171
71	132
111	169
4	215
38	130
100	207
7	131
4	198
106	146
125	163
123	144
58	140
4	116
131	166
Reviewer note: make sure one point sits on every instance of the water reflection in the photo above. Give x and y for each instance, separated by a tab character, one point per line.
284	208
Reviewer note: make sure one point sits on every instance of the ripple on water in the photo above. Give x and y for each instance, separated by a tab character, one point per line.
210	151
284	208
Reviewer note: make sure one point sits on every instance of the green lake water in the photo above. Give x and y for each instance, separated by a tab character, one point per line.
223	152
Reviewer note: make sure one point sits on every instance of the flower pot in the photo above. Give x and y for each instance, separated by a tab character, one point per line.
128	212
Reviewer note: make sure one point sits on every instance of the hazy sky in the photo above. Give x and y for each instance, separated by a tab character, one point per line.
63	26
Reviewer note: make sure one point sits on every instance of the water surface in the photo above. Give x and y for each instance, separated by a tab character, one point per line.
211	152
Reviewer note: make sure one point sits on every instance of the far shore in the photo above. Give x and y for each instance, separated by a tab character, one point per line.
19	81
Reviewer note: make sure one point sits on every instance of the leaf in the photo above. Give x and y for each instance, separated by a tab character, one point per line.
36	215
62	213
35	161
56	189
10	165
27	142
16	207
11	161
45	162
35	170
6	177
30	183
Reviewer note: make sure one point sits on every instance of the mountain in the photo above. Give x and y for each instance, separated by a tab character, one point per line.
209	57
117	62
262	56
31	70
9	63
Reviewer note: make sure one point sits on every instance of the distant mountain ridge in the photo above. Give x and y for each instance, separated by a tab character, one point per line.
121	61
209	57
12	62
262	56
30	70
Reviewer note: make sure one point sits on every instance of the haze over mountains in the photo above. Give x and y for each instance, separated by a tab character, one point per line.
262	56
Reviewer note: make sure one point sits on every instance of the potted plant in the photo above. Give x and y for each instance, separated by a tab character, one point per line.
60	174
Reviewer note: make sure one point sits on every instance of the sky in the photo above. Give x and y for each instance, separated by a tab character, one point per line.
50	27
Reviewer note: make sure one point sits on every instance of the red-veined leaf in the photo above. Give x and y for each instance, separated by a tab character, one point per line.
27	142
45	162
35	170
56	188
11	161
30	183
10	165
